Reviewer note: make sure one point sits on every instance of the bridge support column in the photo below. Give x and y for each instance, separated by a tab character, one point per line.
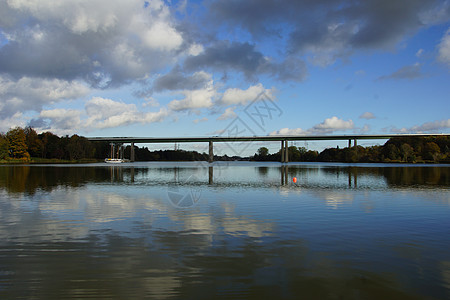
286	152
354	143
210	175
282	151
349	143
132	152
211	152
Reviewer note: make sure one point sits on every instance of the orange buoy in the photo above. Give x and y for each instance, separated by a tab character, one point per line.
294	179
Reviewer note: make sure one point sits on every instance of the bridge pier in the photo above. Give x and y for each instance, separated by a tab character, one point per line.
132	152
211	152
284	152
210	175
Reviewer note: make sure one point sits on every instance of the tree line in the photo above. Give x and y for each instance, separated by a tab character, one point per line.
398	149
24	144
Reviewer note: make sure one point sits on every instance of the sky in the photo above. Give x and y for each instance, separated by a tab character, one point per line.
225	68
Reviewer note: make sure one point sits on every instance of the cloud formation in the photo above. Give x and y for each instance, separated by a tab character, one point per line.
69	51
195	99
444	49
234	96
367	115
428	127
99	113
406	72
30	93
225	56
177	80
328	126
327	30
228	114
106	45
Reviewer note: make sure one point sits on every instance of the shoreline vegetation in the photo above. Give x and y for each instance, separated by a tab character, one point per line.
24	145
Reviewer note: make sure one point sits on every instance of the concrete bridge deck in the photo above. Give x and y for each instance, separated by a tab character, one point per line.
280	138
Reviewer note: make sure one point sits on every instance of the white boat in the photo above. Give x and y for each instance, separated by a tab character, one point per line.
119	154
114	160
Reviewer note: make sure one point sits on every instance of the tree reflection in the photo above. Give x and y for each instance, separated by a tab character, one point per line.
28	179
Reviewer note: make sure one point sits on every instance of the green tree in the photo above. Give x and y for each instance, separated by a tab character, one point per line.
34	144
75	148
295	154
431	151
310	155
4	147
391	152
17	143
407	153
263	151
50	143
350	154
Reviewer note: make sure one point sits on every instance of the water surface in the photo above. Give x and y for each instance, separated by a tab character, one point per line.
228	230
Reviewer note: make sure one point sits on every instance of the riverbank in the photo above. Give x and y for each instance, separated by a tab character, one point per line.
34	160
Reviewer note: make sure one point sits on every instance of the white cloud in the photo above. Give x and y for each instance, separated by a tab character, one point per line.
228	114
367	115
328	126
419	52
9	122
196	49
196	121
289	131
195	99
106	44
434	126
79	16
153	117
234	96
107	113
101	109
333	124
28	93
150	102
63	119
407	72
366	128
99	113
162	37
444	49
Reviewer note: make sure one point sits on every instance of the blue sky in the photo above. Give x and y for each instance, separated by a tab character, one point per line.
195	68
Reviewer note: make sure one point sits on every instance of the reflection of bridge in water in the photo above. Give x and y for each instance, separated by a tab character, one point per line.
122	173
29	178
241	139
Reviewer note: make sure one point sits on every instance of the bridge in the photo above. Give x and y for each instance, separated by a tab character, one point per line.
284	139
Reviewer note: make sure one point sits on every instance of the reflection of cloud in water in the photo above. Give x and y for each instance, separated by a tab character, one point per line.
75	213
236	225
194	223
250	228
335	198
67	213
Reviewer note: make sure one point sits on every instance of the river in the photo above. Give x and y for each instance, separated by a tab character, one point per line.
240	230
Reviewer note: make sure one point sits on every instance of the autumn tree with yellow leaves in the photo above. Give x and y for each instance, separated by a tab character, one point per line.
17	144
